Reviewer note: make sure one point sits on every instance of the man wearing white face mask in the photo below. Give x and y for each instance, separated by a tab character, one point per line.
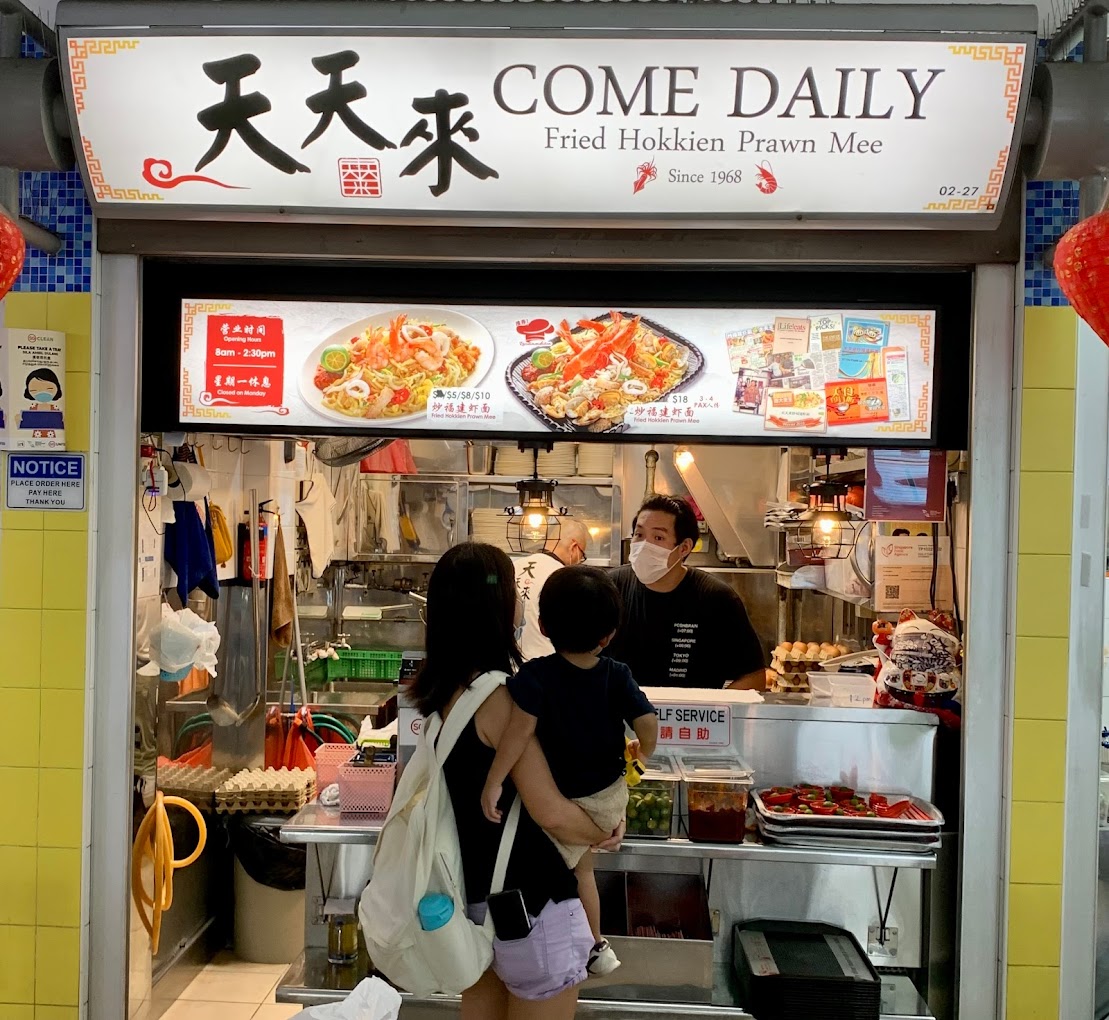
682	627
532	573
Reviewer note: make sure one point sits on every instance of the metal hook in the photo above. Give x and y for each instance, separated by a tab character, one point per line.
214	447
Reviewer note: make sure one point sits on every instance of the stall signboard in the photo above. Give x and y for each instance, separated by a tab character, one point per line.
32	397
507	126
670	374
694	725
46	481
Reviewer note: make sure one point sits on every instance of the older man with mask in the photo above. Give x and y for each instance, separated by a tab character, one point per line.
682	627
532	573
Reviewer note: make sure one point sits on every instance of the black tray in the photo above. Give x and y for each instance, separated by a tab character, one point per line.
520	388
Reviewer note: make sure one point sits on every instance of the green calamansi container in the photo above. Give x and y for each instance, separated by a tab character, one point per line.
653	803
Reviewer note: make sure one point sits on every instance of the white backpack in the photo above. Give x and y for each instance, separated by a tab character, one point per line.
418	853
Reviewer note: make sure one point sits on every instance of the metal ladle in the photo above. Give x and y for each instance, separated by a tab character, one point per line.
222	713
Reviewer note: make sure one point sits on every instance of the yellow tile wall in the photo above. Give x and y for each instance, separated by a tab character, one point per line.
1044	493
43	623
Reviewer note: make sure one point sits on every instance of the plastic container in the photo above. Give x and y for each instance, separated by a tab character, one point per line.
852	690
717	790
366	790
356	664
652	803
329	759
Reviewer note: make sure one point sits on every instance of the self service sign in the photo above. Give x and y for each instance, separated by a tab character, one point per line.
46	481
686	725
485	125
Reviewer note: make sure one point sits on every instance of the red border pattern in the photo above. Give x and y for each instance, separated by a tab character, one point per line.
79	50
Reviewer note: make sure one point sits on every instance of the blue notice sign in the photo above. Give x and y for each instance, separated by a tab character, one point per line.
46	481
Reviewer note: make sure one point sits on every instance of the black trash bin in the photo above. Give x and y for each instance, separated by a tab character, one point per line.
269	892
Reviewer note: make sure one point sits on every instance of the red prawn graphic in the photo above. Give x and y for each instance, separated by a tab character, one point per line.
644	173
765	180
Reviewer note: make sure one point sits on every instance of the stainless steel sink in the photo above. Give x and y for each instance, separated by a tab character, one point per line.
360	697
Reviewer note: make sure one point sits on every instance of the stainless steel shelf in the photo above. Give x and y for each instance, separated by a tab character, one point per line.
311	981
317	824
509	481
752	850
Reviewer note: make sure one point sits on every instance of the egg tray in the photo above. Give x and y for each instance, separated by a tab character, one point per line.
791	683
788	658
195	783
270	791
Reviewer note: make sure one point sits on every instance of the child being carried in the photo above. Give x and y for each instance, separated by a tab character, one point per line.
576	703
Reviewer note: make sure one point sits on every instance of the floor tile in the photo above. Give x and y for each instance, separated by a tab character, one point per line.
277	1012
182	1010
226	962
228	985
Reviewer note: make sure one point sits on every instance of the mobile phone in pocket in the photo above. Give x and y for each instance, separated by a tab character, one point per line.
510	915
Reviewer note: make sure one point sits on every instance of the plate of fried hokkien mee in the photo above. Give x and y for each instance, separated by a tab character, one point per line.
384	368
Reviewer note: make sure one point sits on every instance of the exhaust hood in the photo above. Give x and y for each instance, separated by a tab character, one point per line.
732	485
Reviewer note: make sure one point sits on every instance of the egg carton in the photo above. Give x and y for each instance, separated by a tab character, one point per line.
790	683
278	791
800	656
194	783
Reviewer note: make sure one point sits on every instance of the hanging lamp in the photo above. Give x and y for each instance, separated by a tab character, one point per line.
13	250
827	530
534	521
1081	266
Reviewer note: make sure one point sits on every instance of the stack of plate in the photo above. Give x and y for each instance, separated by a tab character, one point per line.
916	835
595	460
509	460
489	525
561	462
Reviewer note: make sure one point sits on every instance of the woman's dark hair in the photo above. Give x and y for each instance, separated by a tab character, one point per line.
471	623
46	375
579	607
685	520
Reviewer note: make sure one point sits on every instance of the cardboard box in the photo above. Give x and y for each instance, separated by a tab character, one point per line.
903	574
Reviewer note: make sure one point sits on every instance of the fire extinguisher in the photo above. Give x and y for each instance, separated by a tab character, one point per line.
246	567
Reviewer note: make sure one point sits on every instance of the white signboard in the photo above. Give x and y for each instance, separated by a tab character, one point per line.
694	725
511	126
672	373
46	481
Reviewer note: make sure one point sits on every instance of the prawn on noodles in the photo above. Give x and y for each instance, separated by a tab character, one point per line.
390	371
594	372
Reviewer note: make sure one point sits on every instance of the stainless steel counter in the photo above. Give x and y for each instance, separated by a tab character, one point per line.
311	980
317	824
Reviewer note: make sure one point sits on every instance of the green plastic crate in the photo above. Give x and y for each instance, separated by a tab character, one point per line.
315	672
356	664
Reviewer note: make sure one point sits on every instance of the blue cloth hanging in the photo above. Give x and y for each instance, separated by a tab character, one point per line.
191	551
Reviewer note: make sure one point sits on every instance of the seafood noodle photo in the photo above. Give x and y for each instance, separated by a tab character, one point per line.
390	371
594	372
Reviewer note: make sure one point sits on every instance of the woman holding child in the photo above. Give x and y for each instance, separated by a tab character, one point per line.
567	710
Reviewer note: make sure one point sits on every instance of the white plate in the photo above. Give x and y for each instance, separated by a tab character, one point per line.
465	326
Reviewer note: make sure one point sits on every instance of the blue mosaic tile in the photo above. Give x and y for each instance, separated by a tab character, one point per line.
32	49
1050	210
58	202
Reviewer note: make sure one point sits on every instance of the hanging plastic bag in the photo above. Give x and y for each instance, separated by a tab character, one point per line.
297	755
181	641
373	999
275	739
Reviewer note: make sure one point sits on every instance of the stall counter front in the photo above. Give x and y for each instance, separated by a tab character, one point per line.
709	885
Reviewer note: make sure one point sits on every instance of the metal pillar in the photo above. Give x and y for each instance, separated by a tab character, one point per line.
1095	43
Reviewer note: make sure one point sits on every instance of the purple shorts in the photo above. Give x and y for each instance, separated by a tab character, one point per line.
551	959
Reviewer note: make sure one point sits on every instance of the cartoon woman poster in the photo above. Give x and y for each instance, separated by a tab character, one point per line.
35	390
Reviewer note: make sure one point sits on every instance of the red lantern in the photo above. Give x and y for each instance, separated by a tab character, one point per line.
1082	269
12	250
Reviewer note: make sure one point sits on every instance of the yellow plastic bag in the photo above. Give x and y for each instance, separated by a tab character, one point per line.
221	535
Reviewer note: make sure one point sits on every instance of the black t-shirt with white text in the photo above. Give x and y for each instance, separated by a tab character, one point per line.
698	635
